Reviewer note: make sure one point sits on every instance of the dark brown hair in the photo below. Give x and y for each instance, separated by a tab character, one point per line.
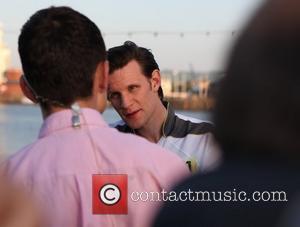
60	49
120	56
258	105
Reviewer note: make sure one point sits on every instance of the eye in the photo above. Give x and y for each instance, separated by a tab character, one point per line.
113	96
132	88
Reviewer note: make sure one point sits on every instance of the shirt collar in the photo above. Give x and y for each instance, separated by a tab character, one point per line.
63	119
169	122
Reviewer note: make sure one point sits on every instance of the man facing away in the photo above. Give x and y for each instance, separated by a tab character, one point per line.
136	94
65	70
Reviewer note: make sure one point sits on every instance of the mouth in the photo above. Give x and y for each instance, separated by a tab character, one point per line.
131	114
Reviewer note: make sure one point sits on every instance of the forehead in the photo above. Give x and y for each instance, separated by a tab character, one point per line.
129	74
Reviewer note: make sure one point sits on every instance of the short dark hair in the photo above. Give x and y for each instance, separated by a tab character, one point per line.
258	105
120	56
60	49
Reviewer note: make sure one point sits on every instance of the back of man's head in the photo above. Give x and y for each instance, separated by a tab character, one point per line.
60	50
120	56
258	106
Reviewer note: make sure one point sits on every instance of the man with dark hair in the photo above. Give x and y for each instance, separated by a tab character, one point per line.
258	127
136	94
65	70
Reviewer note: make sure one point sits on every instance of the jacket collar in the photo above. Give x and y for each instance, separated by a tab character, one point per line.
169	122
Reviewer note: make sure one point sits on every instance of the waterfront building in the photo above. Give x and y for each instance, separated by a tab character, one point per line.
10	90
166	82
4	56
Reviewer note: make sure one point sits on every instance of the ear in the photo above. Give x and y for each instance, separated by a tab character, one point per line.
27	91
102	76
155	80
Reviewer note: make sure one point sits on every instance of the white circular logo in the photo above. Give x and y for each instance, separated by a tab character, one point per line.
110	194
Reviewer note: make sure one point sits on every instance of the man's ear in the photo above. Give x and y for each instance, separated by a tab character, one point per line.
101	77
155	80
27	91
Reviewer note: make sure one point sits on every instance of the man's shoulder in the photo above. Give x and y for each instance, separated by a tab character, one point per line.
21	162
121	126
22	153
191	119
135	153
117	123
185	125
138	145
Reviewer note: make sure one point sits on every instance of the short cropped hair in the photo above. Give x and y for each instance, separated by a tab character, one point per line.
60	49
258	105
120	56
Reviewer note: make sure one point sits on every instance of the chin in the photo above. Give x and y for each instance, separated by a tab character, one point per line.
134	126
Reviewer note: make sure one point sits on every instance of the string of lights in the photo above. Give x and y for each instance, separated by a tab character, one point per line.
181	34
173	33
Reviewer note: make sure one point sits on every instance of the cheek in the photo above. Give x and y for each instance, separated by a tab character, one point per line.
147	101
142	98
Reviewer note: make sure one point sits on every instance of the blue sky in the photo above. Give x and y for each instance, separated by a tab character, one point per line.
194	50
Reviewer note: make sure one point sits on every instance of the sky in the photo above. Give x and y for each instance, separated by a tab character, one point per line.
206	27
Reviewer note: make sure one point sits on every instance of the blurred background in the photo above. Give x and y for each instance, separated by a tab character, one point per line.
190	40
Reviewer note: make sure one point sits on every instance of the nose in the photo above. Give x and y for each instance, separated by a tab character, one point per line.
126	101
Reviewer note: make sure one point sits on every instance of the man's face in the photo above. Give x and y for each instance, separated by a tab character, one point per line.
133	95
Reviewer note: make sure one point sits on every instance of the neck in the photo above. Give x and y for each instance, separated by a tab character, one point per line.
152	130
95	102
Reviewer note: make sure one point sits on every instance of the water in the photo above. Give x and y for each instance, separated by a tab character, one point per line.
20	124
